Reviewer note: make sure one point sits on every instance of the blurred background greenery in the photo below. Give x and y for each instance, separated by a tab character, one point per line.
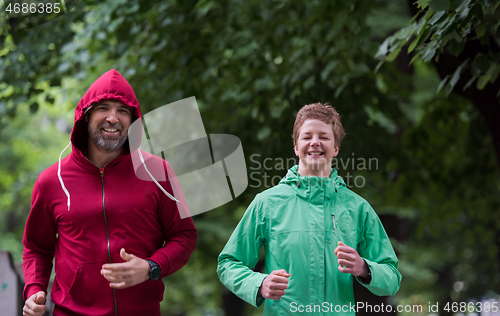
415	83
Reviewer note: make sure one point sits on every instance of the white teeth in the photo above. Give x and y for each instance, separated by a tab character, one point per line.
314	153
110	130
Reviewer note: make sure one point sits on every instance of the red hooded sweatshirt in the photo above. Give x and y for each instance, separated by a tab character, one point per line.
86	215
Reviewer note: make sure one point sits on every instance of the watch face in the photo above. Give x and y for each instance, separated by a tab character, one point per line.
155	272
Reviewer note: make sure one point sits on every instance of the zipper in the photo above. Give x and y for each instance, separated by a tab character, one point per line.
331	228
107	233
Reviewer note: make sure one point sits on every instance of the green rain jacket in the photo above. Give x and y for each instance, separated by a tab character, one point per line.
300	222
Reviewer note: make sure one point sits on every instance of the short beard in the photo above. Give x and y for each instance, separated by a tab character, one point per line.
102	142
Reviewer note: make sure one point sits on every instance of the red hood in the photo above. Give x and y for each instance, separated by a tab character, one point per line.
111	85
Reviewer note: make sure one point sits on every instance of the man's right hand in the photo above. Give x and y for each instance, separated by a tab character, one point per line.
274	285
35	305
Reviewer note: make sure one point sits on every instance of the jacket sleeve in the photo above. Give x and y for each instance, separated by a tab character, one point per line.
39	241
376	249
240	255
180	233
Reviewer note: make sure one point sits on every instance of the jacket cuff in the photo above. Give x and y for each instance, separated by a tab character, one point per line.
385	278
33	289
259	300
364	280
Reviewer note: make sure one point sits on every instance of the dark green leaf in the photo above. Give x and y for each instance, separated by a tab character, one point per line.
264	133
413	45
439	5
461	5
393	55
455	48
456	75
494	73
424	36
482	81
422	4
436	17
480	29
428	53
469	83
442	84
480	65
477	11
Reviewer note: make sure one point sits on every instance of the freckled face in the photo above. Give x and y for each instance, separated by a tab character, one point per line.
315	148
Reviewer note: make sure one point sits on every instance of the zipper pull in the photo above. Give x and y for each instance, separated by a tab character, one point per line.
333	219
101	170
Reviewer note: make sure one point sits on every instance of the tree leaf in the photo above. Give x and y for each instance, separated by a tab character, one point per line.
424	34
482	81
461	5
494	73
422	4
264	133
469	83
428	53
383	49
480	30
393	55
455	48
439	5
480	65
436	17
487	77
456	75
477	11
441	84
413	45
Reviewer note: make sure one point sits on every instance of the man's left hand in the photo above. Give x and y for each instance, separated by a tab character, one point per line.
126	274
350	261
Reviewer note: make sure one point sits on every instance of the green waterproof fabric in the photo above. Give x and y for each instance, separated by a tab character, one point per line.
299	222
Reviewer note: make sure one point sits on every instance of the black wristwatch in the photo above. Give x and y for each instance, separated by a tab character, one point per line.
154	270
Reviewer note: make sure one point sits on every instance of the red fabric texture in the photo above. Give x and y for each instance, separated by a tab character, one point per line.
138	215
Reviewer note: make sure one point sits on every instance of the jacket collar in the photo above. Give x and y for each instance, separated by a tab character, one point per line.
85	163
305	184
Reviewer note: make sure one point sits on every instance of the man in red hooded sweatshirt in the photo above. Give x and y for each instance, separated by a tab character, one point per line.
113	235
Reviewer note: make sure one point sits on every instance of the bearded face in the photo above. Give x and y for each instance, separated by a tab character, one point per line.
104	138
108	123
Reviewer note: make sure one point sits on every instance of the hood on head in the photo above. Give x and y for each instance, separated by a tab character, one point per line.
111	85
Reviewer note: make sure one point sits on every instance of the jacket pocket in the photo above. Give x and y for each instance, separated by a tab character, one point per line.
344	224
147	293
89	287
275	311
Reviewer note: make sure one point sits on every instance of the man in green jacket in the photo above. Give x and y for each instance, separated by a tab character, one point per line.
317	234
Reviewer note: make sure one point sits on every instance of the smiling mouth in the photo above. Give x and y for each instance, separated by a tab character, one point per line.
315	153
110	130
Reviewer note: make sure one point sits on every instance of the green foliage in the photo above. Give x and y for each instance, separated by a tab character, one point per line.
30	143
251	66
448	26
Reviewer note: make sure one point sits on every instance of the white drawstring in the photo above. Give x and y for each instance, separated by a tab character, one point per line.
140	157
59	175
164	191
